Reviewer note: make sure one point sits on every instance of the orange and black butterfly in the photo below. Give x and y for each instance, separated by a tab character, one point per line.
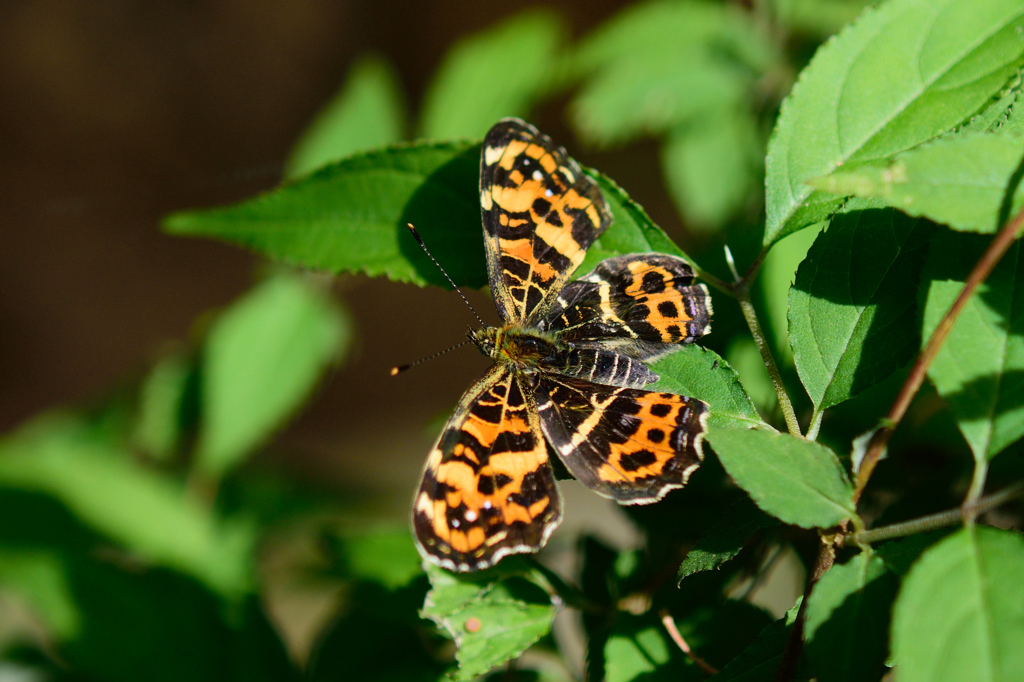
569	366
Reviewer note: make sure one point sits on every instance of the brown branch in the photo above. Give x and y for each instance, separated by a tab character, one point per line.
795	643
673	632
982	269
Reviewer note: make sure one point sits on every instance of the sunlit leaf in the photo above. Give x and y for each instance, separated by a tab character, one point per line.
40	579
367	113
852	310
902	74
710	165
777	276
792	479
637	649
979	370
492	619
959	615
261	359
148	513
701	373
475	87
959	181
820	18
162	404
659	63
848	620
352	217
383	555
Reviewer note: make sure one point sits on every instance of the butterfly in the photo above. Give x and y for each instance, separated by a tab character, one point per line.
569	366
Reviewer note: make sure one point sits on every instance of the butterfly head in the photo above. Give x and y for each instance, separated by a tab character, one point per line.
526	349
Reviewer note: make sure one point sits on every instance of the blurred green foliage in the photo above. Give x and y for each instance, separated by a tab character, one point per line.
137	533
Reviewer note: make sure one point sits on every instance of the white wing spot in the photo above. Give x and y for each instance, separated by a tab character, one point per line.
470	515
537	175
492	154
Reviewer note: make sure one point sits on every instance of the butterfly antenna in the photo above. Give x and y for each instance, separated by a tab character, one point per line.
401	368
457	290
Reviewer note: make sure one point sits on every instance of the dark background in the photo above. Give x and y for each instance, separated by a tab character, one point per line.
116	113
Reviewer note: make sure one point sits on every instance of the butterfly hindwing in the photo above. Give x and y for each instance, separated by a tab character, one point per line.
488	489
643	305
627	444
540	215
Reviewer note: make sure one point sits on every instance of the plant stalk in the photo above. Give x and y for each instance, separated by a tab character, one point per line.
982	269
949	517
773	370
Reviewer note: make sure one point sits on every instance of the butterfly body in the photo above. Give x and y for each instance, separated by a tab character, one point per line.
569	370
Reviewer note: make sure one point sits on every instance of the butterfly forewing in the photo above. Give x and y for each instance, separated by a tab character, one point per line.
540	215
488	489
628	444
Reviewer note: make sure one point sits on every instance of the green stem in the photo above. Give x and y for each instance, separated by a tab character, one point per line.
815	426
940	520
773	370
970	504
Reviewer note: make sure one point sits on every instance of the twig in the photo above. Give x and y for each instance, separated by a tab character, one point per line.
795	643
982	269
766	355
673	632
939	520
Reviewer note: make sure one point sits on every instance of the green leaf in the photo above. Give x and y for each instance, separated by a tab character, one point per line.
163	401
853	308
794	480
378	637
383	555
508	615
819	18
631	231
496	73
902	74
659	63
760	661
149	514
368	112
637	648
959	615
351	216
710	165
847	620
39	577
745	358
777	276
725	538
136	618
701	373
261	359
979	370
959	181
